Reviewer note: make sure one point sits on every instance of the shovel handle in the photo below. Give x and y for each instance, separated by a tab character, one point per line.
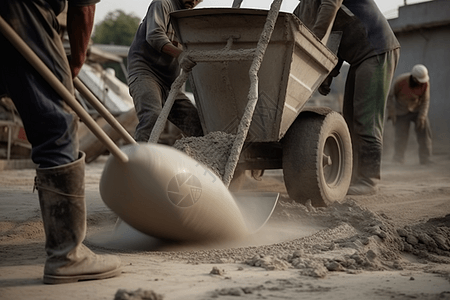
100	108
45	72
162	118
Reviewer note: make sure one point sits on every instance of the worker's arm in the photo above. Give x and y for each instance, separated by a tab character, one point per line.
157	27
186	63
325	87
325	16
424	107
170	49
80	21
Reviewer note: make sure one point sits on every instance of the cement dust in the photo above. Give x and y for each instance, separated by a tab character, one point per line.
343	237
123	237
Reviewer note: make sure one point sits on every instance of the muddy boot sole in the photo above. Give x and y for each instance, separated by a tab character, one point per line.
59	279
362	190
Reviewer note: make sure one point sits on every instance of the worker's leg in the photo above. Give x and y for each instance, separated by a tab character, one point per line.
401	137
372	79
50	126
147	94
347	110
51	129
185	116
63	208
424	139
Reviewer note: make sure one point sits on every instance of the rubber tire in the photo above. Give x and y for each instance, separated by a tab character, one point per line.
306	174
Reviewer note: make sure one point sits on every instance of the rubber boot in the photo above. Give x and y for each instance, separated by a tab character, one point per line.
63	208
368	172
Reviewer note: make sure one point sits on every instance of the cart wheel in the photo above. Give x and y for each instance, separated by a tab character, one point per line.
317	158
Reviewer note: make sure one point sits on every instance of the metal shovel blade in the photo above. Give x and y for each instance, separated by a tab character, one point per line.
164	193
256	208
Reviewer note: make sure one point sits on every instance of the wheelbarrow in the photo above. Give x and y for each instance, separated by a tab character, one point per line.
258	94
155	188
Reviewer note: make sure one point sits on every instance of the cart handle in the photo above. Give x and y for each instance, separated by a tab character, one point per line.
246	120
236	4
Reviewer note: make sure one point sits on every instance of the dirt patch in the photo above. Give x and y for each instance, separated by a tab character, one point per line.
397	243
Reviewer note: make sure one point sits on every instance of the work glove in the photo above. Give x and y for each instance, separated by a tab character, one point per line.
324	88
186	63
420	123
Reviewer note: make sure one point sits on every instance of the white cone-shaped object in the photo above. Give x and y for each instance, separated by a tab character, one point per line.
164	193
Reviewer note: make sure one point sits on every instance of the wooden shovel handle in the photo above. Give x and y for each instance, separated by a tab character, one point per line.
45	72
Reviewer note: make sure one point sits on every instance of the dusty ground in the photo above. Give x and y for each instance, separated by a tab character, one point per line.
395	245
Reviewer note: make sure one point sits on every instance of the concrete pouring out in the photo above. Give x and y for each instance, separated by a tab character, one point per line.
212	150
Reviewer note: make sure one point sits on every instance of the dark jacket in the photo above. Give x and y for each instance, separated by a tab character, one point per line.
365	31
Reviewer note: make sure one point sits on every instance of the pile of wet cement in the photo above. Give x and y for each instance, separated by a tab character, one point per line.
212	150
356	239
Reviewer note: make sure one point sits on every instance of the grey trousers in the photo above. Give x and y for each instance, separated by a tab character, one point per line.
149	96
402	134
366	90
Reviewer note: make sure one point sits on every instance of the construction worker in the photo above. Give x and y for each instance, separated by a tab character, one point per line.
408	102
155	59
51	129
371	49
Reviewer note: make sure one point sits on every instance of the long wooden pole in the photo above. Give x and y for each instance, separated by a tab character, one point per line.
100	108
45	72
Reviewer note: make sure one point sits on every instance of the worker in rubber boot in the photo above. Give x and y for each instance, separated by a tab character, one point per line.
155	59
409	101
371	49
51	128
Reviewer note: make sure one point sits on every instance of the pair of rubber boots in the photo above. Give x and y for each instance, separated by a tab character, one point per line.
63	208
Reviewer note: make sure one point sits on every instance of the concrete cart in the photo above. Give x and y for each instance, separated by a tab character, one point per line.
311	144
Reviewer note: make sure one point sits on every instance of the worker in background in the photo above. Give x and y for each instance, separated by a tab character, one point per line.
155	59
408	102
372	50
51	128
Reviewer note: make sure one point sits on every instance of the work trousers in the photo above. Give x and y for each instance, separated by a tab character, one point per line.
50	126
423	135
366	90
149	95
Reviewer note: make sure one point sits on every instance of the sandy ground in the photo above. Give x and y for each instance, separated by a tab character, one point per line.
395	245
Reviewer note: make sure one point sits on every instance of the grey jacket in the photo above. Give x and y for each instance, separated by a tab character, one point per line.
155	31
